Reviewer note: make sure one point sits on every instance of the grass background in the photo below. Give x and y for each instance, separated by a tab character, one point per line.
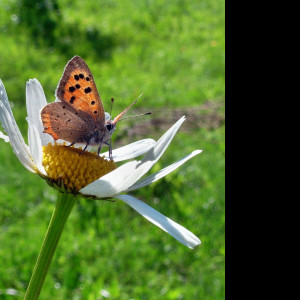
173	53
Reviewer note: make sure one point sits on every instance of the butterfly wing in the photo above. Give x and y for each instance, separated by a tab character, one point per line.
62	121
77	88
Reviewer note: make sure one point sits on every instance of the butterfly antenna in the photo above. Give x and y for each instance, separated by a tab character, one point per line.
119	116
111	104
147	113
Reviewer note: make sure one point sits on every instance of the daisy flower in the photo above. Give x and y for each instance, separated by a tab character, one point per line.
55	162
77	173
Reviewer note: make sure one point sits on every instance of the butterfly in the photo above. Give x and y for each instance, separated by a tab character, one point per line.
79	117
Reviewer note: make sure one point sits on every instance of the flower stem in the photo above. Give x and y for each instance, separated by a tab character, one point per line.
63	208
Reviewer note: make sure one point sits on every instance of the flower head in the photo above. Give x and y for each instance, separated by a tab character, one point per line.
84	173
72	169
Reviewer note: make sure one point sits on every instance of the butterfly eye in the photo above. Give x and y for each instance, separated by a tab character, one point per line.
109	127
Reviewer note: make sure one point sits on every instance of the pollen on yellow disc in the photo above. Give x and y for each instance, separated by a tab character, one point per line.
73	167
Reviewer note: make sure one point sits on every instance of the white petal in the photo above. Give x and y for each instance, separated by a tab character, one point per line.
4	137
157	151
35	101
180	233
125	176
17	145
36	149
112	183
4	98
10	126
10	118
158	175
132	150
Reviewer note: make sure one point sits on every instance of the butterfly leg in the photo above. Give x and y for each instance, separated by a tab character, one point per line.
72	144
77	140
87	143
110	148
99	149
85	147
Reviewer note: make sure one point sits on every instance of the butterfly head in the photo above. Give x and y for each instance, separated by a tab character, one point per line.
110	127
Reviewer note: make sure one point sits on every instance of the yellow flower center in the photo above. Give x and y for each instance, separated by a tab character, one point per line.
71	168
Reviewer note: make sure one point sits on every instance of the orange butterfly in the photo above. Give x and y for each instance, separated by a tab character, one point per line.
80	116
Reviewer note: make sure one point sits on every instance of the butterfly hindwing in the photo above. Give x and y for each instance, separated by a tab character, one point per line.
62	121
77	88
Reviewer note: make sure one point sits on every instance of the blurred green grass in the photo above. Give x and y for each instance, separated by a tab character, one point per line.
173	53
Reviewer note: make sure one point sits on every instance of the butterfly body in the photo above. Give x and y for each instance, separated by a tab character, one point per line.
74	126
78	116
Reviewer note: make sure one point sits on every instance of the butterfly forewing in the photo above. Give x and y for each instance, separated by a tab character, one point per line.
62	121
77	88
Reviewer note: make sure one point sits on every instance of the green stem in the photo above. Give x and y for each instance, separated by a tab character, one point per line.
63	208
